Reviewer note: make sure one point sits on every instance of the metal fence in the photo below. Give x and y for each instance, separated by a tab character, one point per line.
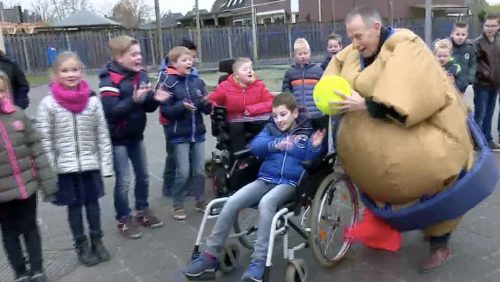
274	42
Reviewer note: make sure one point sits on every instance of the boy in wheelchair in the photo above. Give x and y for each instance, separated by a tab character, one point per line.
283	144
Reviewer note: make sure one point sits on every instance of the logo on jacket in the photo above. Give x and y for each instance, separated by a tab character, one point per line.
467	56
301	141
18	125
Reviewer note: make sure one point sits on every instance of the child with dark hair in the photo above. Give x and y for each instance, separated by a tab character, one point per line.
284	142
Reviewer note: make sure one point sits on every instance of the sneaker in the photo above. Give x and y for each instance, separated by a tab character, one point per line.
38	277
202	267
128	228
147	218
201	206
255	271
494	146
179	213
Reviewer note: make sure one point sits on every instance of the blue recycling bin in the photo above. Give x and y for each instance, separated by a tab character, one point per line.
51	55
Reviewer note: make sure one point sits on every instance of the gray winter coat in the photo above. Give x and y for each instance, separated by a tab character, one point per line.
75	142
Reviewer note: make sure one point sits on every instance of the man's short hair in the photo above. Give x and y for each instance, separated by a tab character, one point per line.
285	99
119	45
177	52
369	15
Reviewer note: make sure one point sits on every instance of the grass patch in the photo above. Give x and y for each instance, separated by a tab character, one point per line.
37	79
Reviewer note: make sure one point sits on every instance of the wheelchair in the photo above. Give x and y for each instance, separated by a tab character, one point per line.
325	204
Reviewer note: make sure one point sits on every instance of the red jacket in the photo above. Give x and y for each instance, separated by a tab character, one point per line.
255	99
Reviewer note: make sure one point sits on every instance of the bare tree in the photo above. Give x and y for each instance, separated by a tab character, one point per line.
131	13
50	10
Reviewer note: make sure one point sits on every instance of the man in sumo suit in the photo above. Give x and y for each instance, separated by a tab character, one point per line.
404	133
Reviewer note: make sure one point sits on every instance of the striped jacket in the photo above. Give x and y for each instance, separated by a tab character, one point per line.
126	119
300	81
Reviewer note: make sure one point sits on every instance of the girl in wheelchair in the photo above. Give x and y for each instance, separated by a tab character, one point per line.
283	144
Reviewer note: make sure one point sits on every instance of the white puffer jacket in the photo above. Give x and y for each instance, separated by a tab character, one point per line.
75	142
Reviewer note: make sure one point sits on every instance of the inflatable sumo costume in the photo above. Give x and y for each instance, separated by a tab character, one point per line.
415	166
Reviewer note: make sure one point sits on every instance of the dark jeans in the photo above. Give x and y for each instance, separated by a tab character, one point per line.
484	106
121	156
169	169
18	219
76	222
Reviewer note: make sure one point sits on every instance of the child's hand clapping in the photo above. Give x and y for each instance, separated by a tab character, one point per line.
162	95
189	106
317	138
285	143
140	93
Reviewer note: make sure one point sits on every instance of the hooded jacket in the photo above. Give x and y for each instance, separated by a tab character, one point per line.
184	126
284	167
24	168
255	99
126	119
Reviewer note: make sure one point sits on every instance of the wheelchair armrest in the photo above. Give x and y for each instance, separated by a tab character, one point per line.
312	166
242	154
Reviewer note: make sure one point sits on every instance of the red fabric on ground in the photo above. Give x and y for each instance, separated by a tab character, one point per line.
375	233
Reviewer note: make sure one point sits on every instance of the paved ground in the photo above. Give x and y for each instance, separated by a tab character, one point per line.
160	254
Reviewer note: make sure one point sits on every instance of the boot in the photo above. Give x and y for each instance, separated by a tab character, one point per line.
99	250
85	254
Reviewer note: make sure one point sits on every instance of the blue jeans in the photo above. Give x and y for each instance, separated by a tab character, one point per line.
484	106
269	196
189	172
137	155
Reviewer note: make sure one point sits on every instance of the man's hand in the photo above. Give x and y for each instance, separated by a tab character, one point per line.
317	138
349	103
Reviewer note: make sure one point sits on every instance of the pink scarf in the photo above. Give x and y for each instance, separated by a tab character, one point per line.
74	100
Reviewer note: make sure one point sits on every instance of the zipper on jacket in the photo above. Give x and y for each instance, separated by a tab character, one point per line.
193	113
244	98
303	93
77	147
283	166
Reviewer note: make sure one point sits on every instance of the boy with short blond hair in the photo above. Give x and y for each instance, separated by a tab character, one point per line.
184	128
300	80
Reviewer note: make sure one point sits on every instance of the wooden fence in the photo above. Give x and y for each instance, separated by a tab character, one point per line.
274	42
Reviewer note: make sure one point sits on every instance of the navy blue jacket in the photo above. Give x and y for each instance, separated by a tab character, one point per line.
284	167
126	119
300	81
326	60
184	126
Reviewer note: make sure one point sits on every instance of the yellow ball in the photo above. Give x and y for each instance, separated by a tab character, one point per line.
324	92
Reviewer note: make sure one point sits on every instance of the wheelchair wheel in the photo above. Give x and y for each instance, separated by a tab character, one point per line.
229	258
334	208
219	181
296	271
247	221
